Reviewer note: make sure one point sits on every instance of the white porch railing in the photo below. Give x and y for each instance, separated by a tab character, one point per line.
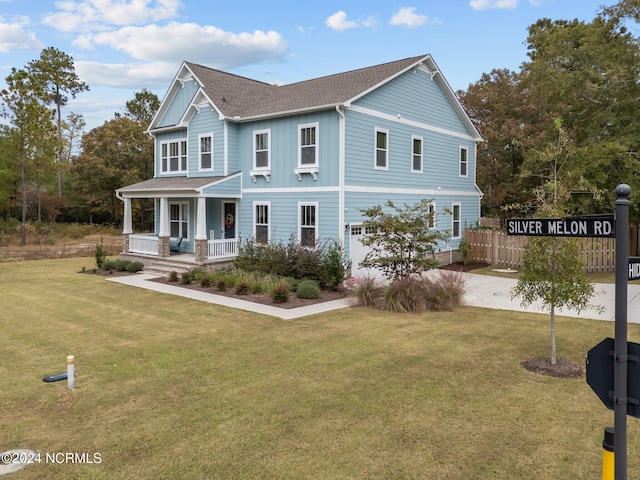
227	247
147	244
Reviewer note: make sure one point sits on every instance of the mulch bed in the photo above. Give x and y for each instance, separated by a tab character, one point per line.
292	302
562	368
461	267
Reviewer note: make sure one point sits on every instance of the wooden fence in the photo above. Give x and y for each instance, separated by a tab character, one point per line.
497	248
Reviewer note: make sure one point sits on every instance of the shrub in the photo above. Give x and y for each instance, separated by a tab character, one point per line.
366	291
308	289
280	293
221	283
108	265
120	265
205	281
444	293
464	249
100	254
186	278
256	286
134	267
173	276
333	264
242	288
292	283
405	295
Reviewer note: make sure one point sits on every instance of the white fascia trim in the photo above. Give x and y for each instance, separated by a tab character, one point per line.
412	123
176	84
262	191
225	147
387	80
409	191
285	113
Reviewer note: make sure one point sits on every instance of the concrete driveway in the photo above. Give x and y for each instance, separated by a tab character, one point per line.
495	292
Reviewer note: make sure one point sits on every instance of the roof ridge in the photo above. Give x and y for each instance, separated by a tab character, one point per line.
229	74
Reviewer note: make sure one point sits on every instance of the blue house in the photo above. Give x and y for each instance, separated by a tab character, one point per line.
237	158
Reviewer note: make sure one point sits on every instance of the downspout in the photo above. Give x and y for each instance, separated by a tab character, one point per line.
341	173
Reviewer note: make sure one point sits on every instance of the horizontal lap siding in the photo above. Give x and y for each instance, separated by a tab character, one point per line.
415	96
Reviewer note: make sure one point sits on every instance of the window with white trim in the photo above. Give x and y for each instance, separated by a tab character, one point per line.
308	224
416	154
464	161
179	220
261	231
173	156
205	143
431	220
308	145
262	149
381	160
455	220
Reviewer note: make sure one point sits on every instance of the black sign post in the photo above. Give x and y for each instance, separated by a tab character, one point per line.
620	397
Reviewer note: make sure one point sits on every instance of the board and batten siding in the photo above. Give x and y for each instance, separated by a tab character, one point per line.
206	122
284	212
284	151
179	103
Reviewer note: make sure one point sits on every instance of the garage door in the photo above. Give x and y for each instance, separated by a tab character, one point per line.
359	251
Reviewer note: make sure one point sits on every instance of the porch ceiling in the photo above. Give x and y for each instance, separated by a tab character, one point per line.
172	186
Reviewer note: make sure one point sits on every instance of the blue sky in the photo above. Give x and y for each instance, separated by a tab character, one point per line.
122	46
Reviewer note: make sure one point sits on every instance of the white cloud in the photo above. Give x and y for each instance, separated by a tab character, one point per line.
338	21
89	15
130	75
485	4
189	41
408	17
15	36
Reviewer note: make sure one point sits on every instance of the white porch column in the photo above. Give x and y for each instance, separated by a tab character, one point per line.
164	230
201	219
126	221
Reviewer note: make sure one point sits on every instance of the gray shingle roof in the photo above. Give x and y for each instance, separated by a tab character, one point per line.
237	96
170	183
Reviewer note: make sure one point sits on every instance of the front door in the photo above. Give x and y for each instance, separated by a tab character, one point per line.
229	219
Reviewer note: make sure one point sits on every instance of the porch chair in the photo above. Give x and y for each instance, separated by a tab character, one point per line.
174	245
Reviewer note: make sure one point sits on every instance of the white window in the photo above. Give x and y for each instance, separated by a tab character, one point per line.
381	160
432	215
464	156
206	151
261	231
416	154
308	224
308	143
173	156
262	149
455	220
179	220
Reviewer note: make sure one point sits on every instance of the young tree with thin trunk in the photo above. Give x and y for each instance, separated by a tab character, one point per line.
56	74
31	120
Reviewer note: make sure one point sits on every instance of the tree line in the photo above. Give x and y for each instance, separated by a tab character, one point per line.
51	169
562	131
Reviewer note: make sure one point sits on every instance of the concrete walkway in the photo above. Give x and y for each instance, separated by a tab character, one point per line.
481	291
142	280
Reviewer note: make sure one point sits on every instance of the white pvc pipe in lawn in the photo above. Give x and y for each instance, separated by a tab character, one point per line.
70	372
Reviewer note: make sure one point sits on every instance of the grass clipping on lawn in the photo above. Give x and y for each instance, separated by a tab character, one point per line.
168	387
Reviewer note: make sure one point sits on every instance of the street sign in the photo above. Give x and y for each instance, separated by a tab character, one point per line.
588	226
600	374
634	268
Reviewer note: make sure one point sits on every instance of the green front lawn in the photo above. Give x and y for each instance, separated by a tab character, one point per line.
169	388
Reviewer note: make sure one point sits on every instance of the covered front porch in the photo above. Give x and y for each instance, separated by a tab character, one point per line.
195	219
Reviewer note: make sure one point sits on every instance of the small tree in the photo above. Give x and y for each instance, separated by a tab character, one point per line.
552	272
403	239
